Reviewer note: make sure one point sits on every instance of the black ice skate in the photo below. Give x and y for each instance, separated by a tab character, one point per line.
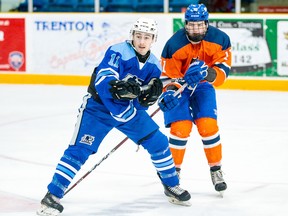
50	206
177	195
217	179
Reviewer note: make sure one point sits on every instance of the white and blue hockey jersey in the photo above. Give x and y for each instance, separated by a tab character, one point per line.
121	62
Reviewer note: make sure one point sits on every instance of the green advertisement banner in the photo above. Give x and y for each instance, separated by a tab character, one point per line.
259	47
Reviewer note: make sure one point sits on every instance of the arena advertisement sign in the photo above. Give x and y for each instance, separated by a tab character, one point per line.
76	44
250	51
282	45
73	45
69	44
12	44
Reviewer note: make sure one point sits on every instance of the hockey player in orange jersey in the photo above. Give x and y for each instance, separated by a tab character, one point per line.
199	55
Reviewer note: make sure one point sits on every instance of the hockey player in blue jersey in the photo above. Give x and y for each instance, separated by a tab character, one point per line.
115	99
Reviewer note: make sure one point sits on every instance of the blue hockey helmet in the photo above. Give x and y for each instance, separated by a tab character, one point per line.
196	12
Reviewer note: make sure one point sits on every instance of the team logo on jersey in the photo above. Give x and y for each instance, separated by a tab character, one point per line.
16	60
87	139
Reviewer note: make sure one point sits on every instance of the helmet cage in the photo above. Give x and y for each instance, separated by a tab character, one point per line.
196	22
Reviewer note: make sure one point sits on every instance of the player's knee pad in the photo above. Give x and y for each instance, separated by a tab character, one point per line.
156	142
207	126
181	129
78	154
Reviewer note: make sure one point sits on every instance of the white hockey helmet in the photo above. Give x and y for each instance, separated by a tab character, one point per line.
145	25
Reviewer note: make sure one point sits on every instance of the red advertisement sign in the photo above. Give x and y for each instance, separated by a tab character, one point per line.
12	44
273	9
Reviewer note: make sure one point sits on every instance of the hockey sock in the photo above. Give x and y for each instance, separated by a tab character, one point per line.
157	146
70	163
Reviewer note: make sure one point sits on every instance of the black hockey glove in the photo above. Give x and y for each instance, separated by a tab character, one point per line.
124	90
150	96
211	76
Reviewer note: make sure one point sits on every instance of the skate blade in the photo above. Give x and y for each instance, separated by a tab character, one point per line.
46	211
177	202
221	193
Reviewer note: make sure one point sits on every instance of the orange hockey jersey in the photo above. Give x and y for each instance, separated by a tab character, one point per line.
214	50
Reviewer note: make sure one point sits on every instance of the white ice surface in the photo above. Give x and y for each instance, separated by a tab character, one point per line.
37	122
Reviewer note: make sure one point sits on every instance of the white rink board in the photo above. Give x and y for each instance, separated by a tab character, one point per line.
74	43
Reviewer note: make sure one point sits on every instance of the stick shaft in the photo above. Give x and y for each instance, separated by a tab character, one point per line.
118	145
104	158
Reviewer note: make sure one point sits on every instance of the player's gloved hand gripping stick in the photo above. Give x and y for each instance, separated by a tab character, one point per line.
170	99
129	90
196	72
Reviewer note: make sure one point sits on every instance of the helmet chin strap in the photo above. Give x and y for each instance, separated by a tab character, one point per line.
195	39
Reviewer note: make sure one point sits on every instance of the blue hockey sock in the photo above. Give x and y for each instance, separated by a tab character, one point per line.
157	146
70	163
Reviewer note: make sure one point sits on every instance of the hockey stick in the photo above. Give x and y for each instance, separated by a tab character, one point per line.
104	158
118	145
